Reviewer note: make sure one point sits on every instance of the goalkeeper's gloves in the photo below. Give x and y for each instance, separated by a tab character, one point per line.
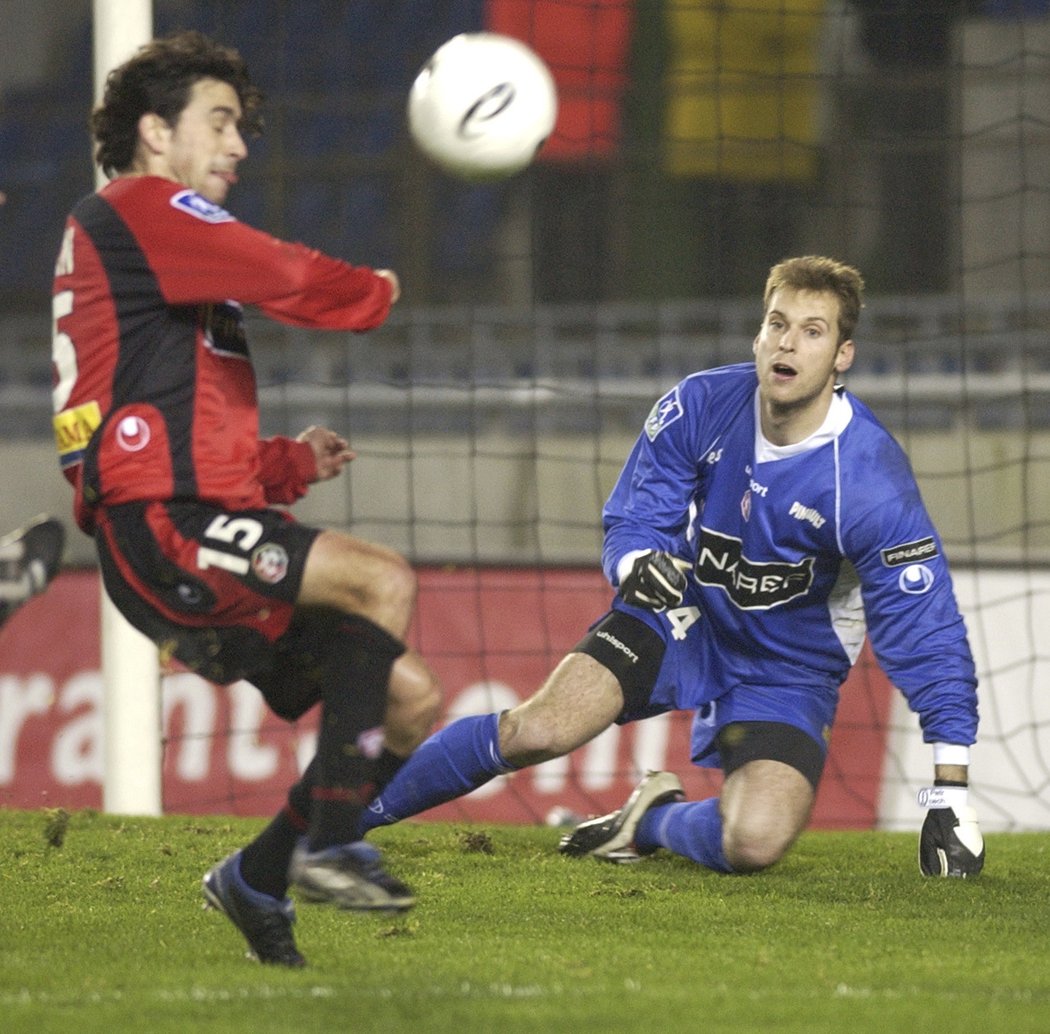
656	581
950	843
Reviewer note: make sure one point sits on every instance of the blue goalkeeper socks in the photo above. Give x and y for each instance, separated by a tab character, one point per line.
457	759
692	829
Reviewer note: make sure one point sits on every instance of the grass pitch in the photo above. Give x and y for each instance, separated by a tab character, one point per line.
101	929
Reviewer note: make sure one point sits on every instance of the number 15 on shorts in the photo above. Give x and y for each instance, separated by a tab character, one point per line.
241	533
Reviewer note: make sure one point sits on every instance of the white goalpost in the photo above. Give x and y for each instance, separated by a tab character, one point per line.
130	664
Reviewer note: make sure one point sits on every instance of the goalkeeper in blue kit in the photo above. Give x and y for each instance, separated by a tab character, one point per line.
764	524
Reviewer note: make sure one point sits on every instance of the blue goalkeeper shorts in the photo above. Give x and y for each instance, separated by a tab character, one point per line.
698	674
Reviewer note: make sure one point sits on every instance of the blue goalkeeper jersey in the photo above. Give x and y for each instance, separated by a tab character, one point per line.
798	551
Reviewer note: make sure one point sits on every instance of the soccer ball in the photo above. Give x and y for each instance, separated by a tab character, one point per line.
482	106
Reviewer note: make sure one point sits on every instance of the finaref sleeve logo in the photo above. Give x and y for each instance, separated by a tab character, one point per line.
910	552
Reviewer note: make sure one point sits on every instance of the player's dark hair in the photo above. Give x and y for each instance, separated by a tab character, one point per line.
817	273
158	79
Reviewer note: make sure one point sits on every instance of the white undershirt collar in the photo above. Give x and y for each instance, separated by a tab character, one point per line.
840	412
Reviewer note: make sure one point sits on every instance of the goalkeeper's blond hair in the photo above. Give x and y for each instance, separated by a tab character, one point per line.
818	273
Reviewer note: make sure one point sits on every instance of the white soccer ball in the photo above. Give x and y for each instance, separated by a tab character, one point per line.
482	106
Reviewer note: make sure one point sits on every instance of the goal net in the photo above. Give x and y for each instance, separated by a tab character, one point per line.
697	144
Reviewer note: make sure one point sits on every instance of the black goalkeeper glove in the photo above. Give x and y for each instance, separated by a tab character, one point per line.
950	843
656	581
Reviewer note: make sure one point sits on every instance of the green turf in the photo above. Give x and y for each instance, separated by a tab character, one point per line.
105	933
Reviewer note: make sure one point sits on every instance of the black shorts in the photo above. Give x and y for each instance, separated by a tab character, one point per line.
741	742
215	589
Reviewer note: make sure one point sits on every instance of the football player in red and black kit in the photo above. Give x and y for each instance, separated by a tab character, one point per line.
156	421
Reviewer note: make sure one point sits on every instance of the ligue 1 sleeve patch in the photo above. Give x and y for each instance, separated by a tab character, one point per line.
666	411
192	203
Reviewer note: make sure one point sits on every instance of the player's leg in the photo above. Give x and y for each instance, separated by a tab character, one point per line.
238	577
361	578
772	772
310	842
371	582
148	557
763	808
765	805
613	668
577	701
414	701
294	686
377	585
769	743
344	663
684	677
355	600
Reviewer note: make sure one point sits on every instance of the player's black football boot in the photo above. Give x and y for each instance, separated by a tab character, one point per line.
29	558
265	921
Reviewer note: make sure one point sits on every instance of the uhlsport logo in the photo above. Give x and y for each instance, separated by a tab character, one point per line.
132	433
618	644
915	579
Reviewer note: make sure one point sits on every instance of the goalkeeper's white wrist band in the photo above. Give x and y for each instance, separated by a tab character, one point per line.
954	797
951	754
626	562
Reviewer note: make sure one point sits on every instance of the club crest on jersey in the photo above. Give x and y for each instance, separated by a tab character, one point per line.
666	411
270	563
199	207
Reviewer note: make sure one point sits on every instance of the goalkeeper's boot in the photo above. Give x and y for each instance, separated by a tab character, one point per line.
348	876
611	837
29	559
265	921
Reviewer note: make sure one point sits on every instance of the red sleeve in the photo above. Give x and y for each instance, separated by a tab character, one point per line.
199	253
286	468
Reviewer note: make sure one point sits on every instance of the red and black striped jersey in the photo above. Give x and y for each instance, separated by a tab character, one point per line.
155	396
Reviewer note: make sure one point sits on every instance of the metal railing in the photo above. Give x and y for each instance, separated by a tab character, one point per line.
922	363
